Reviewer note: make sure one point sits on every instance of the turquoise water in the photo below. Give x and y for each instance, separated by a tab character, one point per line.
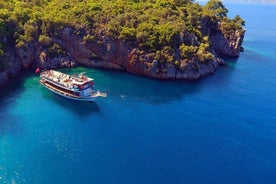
221	129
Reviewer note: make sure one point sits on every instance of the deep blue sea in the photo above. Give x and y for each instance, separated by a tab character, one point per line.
221	129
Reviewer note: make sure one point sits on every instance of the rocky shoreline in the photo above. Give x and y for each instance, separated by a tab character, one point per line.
110	53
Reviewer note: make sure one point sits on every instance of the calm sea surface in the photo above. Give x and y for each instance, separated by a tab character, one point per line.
221	129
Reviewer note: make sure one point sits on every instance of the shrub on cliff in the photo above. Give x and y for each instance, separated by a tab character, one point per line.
168	27
229	26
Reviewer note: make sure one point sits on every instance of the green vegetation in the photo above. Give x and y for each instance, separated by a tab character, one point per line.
155	26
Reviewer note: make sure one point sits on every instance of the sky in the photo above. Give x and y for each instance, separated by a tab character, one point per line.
247	1
253	1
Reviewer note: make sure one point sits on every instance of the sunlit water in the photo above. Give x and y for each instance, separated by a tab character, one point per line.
221	129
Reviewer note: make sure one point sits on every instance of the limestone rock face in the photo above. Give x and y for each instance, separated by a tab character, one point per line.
103	52
3	78
227	46
14	66
26	54
45	62
106	52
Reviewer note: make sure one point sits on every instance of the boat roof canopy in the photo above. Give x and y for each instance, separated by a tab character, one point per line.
78	79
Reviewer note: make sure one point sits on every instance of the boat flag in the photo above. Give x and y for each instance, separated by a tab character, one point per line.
37	70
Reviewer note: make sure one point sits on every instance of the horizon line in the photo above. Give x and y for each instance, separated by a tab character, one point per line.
272	2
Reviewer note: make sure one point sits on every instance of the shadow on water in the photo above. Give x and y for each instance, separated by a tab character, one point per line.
117	84
10	123
14	87
226	74
144	89
229	67
76	107
230	59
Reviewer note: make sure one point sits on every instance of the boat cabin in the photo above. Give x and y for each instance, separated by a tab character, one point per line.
81	82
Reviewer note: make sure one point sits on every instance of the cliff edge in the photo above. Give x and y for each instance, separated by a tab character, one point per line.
169	47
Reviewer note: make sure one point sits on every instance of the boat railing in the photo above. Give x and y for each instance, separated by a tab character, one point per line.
60	91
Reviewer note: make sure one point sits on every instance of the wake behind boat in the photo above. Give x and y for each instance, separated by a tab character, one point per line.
76	87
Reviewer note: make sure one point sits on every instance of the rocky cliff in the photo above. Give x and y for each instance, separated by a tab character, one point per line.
106	52
227	46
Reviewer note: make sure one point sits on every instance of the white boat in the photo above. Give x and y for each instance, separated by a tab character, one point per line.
76	87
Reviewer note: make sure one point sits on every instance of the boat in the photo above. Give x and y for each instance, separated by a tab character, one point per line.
76	87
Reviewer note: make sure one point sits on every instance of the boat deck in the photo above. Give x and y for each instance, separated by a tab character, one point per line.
68	85
93	95
65	79
45	83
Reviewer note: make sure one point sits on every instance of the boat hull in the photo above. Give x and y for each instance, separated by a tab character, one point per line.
87	99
